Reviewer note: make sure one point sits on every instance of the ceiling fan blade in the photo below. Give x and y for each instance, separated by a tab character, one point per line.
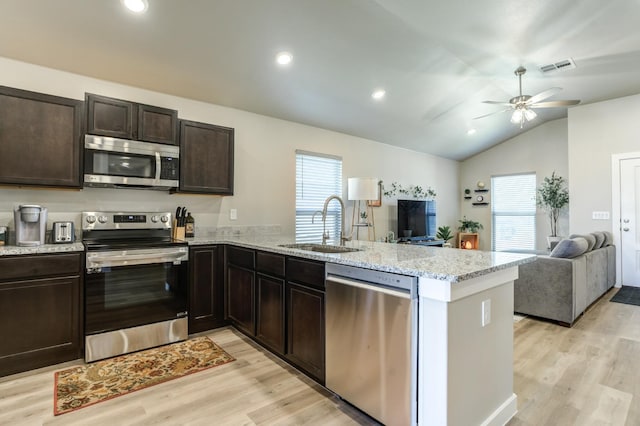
554	104
543	95
492	113
497	103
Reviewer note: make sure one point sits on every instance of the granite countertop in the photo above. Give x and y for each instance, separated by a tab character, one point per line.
447	264
43	249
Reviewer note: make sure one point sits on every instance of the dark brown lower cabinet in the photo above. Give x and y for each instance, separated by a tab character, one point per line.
306	341
241	298
270	312
40	311
206	289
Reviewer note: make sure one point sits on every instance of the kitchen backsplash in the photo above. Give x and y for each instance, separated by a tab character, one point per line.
69	204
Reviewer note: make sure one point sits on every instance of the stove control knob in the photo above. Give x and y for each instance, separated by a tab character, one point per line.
154	219
102	219
91	219
164	219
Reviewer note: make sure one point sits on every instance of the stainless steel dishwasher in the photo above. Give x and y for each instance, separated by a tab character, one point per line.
371	341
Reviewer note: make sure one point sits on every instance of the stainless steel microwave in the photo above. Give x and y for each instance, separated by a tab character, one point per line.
118	163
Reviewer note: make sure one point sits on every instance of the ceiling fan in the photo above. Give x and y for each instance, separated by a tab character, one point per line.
523	105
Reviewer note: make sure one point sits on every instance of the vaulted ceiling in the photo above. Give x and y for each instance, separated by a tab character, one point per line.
436	60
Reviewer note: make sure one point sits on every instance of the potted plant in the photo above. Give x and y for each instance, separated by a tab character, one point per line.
444	233
553	196
468	225
363	217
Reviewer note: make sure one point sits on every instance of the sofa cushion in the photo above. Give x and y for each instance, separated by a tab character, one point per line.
591	239
570	248
599	239
608	239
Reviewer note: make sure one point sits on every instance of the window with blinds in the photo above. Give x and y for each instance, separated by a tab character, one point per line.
317	177
513	213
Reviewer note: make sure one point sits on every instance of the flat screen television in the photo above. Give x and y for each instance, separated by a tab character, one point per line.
416	218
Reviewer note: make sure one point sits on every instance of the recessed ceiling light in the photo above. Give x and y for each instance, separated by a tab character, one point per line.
378	94
471	131
137	6
284	58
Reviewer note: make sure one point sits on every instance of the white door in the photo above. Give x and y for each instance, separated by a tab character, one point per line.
630	221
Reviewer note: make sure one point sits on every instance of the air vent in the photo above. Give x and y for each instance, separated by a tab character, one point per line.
566	64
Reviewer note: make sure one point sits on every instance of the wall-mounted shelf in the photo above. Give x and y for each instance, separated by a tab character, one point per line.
480	190
480	204
467	197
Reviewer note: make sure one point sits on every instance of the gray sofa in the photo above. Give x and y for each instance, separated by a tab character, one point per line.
561	289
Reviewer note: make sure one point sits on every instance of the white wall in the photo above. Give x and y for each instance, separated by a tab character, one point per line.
264	162
596	132
541	150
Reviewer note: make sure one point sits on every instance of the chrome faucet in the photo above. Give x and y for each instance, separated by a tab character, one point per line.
325	234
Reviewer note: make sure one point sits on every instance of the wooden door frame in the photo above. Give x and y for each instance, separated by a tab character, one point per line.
616	159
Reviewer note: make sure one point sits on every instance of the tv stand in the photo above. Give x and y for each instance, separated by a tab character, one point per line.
421	241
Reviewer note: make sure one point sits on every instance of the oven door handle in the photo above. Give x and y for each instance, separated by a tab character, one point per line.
135	259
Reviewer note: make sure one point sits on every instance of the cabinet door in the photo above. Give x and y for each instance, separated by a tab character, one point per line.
39	323
270	312
110	117
305	322
206	289
157	124
241	298
206	158
40	139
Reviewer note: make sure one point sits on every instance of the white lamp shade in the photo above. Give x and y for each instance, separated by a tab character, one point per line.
363	188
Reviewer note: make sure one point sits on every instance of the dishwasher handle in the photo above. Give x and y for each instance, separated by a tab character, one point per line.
372	287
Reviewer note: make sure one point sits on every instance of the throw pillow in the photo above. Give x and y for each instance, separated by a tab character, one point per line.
608	239
591	240
599	239
570	248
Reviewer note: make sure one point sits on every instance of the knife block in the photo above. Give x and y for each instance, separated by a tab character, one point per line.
178	231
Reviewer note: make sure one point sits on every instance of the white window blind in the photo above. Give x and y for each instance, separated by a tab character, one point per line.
317	177
513	213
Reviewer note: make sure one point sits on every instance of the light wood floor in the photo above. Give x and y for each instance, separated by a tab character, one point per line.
586	375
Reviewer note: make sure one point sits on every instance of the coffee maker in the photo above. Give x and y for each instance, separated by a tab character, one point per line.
31	224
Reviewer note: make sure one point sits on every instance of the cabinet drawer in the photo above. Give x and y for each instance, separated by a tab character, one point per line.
270	263
31	267
306	272
241	257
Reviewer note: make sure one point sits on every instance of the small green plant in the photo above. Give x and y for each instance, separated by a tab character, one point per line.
363	215
444	233
468	225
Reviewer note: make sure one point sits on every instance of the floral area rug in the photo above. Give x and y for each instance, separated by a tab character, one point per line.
89	384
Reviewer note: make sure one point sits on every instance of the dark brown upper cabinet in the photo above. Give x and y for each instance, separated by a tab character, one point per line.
40	139
129	120
206	158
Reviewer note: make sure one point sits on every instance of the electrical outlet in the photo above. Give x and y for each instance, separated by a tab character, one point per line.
233	214
486	312
600	215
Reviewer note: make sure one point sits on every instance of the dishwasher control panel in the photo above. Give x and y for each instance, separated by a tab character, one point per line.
387	279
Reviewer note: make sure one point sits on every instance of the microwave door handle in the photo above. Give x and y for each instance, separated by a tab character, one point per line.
158	165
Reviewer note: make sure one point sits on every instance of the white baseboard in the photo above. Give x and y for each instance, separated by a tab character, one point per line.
504	413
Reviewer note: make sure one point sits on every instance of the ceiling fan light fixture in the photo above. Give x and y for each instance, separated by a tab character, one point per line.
516	117
530	114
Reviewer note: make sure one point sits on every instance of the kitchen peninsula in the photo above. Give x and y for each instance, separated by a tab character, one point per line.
465	317
465	321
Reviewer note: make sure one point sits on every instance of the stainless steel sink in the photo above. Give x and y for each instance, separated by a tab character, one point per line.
321	248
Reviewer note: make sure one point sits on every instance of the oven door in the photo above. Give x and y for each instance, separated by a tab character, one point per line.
129	288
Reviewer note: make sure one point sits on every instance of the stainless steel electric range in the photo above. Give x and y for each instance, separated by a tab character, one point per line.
135	283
